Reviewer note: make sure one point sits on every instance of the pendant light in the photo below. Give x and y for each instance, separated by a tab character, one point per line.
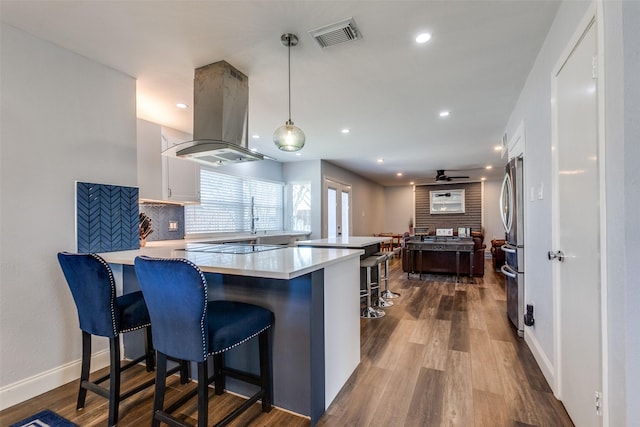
289	137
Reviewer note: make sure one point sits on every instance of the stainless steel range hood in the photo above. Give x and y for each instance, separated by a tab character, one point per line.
220	118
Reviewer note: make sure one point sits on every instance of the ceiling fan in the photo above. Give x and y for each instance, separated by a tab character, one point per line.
441	176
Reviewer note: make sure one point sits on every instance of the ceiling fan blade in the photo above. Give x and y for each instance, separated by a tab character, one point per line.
441	176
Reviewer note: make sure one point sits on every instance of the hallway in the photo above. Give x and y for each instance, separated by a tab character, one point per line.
445	355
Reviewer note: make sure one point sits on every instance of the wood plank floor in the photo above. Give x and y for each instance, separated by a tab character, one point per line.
444	355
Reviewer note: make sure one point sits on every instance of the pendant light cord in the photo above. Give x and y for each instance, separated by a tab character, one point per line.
289	60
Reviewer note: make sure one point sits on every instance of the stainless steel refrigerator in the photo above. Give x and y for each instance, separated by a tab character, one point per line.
512	213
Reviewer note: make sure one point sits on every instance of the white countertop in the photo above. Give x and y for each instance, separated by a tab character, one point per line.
344	241
285	263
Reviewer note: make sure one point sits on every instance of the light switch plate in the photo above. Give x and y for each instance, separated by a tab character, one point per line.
173	225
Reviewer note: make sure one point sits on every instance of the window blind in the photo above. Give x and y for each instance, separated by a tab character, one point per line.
229	203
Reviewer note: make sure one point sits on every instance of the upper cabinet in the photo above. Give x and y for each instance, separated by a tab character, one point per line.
162	178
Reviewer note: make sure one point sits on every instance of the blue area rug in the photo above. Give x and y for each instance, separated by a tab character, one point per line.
45	418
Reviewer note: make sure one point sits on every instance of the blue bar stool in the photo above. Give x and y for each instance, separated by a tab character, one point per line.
189	327
103	314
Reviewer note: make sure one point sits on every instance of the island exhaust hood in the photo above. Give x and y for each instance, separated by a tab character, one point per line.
220	118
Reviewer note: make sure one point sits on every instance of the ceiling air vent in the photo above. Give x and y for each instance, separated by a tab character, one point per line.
333	34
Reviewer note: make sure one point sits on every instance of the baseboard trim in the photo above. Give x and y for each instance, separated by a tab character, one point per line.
543	361
28	388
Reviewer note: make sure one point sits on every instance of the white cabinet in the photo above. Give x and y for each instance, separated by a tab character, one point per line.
162	178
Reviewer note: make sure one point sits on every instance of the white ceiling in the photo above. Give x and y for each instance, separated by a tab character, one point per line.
385	88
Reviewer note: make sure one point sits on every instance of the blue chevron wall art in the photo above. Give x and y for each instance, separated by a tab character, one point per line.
106	217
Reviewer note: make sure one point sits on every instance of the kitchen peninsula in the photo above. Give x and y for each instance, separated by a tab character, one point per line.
370	244
316	345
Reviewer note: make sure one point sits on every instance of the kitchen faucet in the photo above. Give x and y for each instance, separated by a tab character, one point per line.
253	217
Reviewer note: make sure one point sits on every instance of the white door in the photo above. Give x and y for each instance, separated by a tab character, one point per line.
576	230
337	214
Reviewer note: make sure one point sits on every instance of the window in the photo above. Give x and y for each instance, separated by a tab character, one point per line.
235	204
301	206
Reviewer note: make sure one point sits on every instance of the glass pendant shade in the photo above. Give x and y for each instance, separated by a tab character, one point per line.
289	137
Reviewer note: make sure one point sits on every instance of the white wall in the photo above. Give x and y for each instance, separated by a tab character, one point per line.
620	243
398	208
622	154
64	118
366	200
534	107
630	16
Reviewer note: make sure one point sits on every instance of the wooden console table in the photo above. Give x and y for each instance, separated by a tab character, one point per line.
418	248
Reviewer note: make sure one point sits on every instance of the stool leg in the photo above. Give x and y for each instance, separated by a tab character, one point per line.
265	369
369	312
365	293
380	301
114	380
218	376
203	395
387	293
86	367
184	372
148	348
161	378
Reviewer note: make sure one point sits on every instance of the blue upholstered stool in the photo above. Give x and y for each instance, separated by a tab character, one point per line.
188	326
103	314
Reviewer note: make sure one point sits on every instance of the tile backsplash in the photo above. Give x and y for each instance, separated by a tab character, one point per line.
106	217
163	216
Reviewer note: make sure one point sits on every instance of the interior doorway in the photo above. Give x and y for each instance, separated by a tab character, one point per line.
576	256
337	215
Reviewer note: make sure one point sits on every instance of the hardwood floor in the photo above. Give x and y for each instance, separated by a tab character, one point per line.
444	355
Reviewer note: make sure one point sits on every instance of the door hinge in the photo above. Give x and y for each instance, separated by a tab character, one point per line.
594	67
598	403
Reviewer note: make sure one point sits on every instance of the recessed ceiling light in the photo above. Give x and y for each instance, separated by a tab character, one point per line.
399	174
488	167
298	154
255	136
181	105
445	113
253	150
380	160
497	148
423	38
483	179
411	183
345	131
